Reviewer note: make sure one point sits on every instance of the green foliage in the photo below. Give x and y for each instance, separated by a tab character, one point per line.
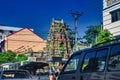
1	58
91	33
7	56
62	54
62	47
21	57
104	36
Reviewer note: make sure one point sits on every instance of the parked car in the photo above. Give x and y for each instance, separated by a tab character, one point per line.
16	75
96	63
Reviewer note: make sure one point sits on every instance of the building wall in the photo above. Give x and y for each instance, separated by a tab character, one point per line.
4	31
108	7
24	41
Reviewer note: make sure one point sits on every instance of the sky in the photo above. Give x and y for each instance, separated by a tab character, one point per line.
38	14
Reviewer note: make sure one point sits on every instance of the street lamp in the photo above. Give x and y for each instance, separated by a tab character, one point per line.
75	15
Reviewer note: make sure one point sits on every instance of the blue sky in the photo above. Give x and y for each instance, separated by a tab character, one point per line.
38	14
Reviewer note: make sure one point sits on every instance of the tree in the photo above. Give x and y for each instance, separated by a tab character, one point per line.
21	57
104	36
1	58
71	35
91	34
7	57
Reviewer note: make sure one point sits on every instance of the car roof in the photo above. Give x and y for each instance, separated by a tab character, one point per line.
96	47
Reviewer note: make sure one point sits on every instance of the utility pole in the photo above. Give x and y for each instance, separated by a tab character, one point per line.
76	16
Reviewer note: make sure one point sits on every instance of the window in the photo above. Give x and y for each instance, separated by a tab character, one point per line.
88	62
72	64
10	32
115	15
94	61
101	58
0	37
15	74
114	59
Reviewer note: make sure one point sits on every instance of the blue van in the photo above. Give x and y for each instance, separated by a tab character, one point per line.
96	63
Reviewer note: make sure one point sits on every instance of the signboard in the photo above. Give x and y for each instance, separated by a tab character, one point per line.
32	59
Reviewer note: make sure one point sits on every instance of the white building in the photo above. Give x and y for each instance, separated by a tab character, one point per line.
111	16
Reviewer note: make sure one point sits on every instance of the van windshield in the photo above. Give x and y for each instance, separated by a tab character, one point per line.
72	64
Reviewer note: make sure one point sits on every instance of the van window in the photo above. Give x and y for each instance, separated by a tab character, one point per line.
94	61
101	57
88	62
114	59
72	64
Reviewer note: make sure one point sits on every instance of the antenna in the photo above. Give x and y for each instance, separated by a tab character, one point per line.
76	16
